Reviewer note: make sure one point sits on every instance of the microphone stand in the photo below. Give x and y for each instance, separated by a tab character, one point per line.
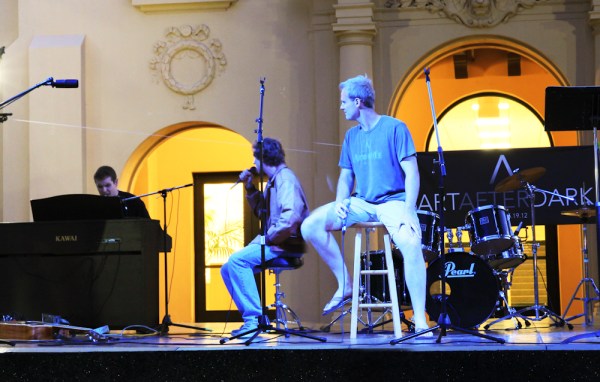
444	319
264	324
166	321
4	116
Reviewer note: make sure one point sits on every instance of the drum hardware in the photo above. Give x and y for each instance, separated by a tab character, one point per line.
504	276
509	259
459	237
460	247
450	237
522	179
583	214
374	289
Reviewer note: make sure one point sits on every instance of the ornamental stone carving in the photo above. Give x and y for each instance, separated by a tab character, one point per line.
190	44
472	13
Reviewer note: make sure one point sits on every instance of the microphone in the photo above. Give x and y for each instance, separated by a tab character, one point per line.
347	204
64	84
61	84
252	170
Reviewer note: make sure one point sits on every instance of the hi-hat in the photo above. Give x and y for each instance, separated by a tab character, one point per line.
581	213
517	180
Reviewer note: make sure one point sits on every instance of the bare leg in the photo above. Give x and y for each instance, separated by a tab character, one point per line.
415	272
316	229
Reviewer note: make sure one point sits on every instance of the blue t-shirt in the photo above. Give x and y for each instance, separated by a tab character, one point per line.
374	156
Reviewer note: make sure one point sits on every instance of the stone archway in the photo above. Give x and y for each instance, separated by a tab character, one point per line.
168	159
410	99
486	60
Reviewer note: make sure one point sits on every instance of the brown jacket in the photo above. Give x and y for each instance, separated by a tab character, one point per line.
286	211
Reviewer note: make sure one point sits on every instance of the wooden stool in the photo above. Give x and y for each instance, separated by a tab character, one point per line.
369	227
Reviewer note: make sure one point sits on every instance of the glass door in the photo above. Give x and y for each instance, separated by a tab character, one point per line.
223	224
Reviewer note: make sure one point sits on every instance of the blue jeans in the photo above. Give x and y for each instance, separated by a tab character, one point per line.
238	275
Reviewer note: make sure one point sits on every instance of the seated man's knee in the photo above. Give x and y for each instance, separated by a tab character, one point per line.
305	228
407	242
310	225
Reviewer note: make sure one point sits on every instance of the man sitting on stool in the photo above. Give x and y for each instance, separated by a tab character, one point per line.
379	156
286	208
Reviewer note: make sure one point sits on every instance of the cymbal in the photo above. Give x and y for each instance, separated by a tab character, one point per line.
516	180
581	213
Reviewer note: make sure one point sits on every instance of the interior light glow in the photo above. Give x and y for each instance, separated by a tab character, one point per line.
494	134
498	121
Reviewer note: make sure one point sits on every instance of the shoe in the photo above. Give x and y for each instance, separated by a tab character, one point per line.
336	303
248	326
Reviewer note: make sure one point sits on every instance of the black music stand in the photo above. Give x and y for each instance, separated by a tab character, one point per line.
76	207
576	108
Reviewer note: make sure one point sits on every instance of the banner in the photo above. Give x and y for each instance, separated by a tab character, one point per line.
471	177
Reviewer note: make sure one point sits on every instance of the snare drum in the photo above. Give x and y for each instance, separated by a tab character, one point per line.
430	236
511	258
489	230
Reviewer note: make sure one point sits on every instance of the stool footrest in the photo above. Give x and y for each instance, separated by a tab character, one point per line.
375	272
380	305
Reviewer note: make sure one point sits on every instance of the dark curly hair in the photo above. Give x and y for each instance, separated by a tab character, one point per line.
273	154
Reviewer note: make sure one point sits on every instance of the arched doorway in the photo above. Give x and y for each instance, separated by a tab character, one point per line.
472	69
168	159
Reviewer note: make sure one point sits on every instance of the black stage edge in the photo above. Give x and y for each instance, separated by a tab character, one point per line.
303	365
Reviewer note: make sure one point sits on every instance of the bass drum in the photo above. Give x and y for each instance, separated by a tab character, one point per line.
472	289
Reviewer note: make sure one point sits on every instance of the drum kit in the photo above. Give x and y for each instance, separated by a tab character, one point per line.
477	281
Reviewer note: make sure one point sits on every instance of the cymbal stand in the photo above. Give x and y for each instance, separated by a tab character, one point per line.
540	311
504	277
586	282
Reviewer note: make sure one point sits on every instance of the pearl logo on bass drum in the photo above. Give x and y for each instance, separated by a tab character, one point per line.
452	272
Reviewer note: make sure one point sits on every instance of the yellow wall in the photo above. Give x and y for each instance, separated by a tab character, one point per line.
192	148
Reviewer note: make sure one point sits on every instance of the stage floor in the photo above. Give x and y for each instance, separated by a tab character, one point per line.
539	336
540	351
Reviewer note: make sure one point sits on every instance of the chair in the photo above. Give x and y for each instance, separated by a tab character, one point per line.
387	270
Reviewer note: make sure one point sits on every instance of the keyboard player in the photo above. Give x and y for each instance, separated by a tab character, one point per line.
106	182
